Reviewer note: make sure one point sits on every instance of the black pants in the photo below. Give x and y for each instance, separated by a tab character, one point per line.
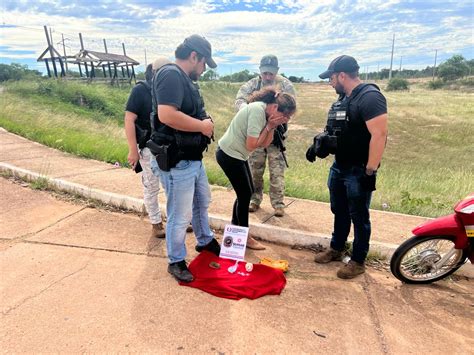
239	175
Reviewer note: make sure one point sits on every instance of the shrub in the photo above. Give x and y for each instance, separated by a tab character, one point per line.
435	84
454	68
397	84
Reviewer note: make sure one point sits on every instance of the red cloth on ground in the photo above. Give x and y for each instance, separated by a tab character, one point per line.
262	280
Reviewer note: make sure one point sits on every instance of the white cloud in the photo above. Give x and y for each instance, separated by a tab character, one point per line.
307	35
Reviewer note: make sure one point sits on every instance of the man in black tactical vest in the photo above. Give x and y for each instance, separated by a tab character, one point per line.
356	133
181	131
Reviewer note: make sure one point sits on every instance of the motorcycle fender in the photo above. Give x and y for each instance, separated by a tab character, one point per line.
447	225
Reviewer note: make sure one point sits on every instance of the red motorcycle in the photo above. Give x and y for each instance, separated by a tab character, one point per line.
438	248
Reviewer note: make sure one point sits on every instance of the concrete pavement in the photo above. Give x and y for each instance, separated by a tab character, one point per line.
305	222
79	279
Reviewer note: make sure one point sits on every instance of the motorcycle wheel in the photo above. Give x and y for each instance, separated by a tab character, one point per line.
415	260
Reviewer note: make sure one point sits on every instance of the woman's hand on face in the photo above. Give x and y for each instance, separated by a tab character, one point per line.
277	119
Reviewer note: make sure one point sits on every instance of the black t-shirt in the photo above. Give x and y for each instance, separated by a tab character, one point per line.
173	87
139	102
366	102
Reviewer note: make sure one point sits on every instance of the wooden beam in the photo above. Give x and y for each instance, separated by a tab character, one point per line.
51	52
47	67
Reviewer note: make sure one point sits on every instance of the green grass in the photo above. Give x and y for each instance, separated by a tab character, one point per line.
426	168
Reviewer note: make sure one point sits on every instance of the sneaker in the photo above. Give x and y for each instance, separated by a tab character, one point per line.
328	256
350	270
253	207
253	244
279	212
157	230
213	246
180	271
189	228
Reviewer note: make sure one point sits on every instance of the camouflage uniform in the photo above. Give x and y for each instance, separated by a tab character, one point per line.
257	158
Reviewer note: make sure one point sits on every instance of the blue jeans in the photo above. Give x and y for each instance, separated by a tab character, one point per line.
188	197
350	202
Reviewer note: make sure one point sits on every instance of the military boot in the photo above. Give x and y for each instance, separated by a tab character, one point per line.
158	231
327	256
253	207
279	212
350	270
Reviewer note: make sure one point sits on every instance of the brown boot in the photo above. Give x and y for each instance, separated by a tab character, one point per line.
253	207
350	270
253	244
279	212
158	231
328	256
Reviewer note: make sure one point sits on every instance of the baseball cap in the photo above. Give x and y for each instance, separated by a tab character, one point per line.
202	46
159	62
269	63
343	63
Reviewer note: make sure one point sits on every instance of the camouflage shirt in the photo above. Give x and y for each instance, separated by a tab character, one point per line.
281	84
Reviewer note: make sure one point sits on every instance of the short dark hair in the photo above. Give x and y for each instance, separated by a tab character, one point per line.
149	73
183	52
353	74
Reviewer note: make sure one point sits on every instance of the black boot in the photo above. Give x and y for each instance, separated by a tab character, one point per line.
213	246
180	271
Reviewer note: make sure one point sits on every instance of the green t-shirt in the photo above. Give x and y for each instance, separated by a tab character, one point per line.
248	122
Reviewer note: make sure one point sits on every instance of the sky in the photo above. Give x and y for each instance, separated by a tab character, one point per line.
305	35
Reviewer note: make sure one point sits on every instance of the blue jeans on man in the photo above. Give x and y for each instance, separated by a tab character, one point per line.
350	202
188	197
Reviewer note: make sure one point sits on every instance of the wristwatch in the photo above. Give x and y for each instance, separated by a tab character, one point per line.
369	171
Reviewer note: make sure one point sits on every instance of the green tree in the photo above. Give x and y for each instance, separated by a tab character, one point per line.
239	77
17	71
454	68
209	75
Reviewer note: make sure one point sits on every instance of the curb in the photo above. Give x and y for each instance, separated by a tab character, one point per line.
264	232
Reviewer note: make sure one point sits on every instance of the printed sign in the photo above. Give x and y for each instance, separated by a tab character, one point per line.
234	242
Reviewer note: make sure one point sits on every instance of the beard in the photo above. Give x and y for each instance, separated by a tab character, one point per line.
268	82
194	76
339	89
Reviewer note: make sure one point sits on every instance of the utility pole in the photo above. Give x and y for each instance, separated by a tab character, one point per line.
366	72
391	59
434	67
400	70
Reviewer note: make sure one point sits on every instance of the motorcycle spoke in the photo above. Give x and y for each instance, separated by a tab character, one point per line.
430	259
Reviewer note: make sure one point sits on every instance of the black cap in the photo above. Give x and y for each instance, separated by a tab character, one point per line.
202	46
343	63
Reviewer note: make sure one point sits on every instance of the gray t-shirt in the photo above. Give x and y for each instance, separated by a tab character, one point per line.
248	122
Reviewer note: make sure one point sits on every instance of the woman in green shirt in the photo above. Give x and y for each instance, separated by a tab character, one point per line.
252	127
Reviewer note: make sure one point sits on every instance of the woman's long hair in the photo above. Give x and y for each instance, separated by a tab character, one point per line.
286	102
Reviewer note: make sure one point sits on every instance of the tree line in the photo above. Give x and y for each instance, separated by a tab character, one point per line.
453	68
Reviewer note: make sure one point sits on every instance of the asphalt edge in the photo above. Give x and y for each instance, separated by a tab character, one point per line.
267	233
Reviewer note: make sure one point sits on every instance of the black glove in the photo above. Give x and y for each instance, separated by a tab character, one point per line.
311	154
368	182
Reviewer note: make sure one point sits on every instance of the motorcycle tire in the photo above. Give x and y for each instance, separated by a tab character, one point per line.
399	270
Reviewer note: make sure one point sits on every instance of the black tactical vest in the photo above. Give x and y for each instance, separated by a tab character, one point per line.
189	144
353	137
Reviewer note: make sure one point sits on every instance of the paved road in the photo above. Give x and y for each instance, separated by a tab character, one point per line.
79	279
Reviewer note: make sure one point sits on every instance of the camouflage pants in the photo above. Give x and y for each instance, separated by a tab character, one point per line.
276	166
151	187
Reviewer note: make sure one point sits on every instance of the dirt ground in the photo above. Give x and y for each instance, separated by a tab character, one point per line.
81	279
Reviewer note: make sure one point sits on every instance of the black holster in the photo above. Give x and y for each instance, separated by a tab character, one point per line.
166	155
